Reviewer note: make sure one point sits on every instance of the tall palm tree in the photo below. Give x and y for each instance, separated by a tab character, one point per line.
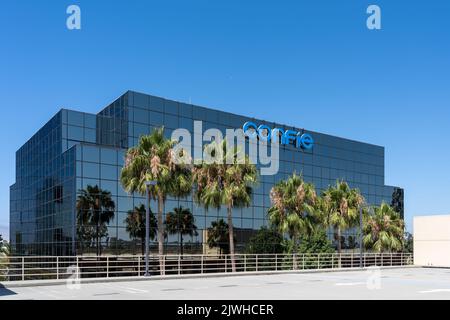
226	182
340	205
95	210
154	159
181	221
182	187
293	208
383	230
4	253
218	236
135	225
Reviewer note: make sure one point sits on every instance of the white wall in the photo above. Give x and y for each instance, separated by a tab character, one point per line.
432	241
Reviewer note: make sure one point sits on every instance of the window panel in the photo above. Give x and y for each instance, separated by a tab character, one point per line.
171	107
109	172
108	156
91	170
185	110
75	118
156	119
90	182
75	133
110	186
90	135
171	121
91	154
141	115
156	104
90	121
141	130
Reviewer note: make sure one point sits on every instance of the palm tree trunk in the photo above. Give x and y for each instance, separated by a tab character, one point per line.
339	246
231	236
160	234
80	238
98	224
294	256
97	239
181	245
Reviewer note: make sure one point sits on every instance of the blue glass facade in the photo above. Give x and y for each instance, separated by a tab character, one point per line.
75	149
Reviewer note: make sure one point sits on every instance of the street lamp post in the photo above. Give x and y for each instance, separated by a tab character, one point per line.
360	237
147	225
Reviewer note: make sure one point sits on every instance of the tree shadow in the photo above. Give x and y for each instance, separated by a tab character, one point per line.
5	291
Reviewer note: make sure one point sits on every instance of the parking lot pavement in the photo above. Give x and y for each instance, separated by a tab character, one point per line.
408	283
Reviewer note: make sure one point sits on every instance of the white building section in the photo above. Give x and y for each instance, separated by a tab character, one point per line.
432	241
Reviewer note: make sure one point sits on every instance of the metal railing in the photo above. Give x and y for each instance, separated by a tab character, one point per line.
64	267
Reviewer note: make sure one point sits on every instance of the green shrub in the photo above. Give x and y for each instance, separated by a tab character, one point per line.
265	241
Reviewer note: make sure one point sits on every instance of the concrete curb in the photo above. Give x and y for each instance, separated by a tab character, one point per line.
40	283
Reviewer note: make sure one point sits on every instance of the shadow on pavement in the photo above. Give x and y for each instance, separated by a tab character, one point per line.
5	291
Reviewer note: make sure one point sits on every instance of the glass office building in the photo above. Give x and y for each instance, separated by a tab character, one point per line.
75	150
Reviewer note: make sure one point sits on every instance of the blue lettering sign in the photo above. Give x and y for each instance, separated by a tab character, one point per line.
265	133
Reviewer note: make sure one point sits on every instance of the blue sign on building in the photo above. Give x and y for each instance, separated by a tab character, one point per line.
265	133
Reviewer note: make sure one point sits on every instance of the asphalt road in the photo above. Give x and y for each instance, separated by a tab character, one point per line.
408	283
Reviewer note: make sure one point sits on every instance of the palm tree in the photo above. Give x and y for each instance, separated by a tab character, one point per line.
4	253
181	222
95	210
218	236
340	206
154	159
135	225
383	230
4	247
227	181
293	208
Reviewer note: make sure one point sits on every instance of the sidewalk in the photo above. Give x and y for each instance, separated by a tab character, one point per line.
37	283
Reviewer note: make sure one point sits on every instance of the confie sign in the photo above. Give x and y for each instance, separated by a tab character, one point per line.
266	133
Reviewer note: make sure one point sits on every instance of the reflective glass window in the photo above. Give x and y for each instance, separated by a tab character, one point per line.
91	154
108	172
90	135
71	143
64	131
171	121
199	113
187	123
141	129
125	203
247	223
90	182
110	186
156	104
75	133
171	107
90	121
141	115
75	118
108	156
185	110
64	116
91	170
156	118
140	100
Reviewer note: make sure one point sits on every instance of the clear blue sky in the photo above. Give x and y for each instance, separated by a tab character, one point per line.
313	64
